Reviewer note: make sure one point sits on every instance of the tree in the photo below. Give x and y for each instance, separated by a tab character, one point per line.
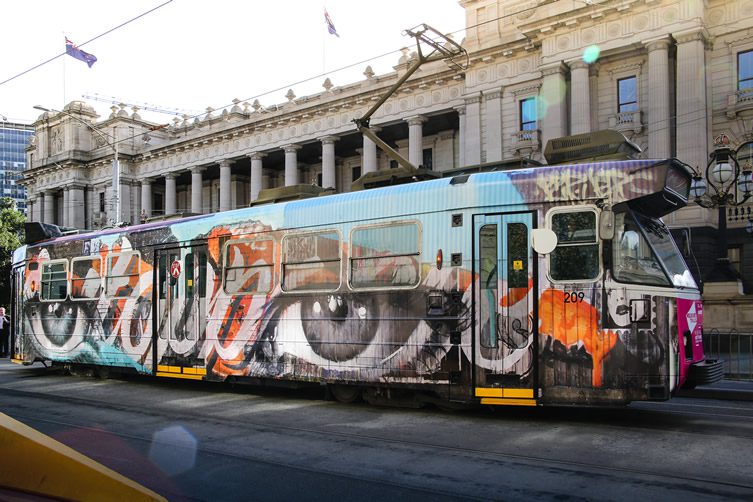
11	237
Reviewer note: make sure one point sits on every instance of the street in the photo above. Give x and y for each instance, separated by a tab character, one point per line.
195	441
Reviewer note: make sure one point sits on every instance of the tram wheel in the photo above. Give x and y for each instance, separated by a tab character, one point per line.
345	393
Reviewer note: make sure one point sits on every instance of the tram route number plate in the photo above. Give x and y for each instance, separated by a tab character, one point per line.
175	269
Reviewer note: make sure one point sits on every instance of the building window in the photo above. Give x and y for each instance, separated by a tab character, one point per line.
319	179
627	94
101	202
745	70
528	114
355	173
576	257
428	158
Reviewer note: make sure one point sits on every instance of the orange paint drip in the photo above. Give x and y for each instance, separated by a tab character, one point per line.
515	295
571	323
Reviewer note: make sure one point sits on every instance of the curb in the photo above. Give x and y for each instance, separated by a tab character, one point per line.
718	393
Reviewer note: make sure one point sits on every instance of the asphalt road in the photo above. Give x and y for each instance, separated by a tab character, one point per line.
194	441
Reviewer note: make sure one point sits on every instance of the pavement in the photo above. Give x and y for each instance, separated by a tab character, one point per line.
734	390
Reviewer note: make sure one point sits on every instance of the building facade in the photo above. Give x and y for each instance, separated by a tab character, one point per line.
13	140
669	74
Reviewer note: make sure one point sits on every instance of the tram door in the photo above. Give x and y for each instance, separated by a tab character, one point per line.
504	350
181	310
16	315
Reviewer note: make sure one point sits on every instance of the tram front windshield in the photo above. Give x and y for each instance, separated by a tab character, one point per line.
644	252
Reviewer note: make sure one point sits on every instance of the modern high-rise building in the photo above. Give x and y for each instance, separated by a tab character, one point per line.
14	138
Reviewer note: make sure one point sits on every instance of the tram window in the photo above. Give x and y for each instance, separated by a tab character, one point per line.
576	257
162	271
202	285
123	272
311	261
54	280
189	275
86	277
517	255
249	266
385	256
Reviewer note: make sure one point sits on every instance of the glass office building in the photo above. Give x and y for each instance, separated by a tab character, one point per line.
13	141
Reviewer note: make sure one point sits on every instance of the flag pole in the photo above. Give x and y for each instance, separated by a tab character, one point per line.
324	44
64	96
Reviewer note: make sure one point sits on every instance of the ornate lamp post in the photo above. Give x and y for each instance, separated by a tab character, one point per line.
730	186
115	162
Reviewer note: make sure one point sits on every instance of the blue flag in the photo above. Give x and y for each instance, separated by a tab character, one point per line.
72	50
330	24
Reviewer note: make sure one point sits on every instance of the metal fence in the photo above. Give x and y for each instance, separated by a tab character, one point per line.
735	349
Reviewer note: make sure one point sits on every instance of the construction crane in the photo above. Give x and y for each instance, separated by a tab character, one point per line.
141	106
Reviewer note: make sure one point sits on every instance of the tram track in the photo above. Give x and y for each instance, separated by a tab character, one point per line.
702	484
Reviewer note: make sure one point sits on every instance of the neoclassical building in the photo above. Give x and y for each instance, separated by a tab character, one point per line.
669	74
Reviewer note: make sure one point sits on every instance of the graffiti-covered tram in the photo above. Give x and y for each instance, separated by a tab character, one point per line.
546	285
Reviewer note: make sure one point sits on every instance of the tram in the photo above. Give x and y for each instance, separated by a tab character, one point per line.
546	285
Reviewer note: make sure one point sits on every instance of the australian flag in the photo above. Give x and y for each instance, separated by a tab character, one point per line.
72	50
330	24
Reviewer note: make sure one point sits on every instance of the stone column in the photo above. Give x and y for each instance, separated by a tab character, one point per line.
291	164
67	206
225	200
170	194
659	142
91	204
369	162
197	187
31	202
493	126
77	213
580	97
693	140
416	139
146	197
125	202
472	133
552	103
461	134
49	207
329	175
257	170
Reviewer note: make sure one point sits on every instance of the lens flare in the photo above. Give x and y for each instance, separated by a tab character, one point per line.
591	54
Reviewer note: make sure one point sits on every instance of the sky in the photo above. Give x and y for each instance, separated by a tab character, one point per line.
187	55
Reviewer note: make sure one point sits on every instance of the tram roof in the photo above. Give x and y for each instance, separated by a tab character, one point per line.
609	181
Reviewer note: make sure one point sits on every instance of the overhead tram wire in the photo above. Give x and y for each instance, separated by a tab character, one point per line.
88	41
308	79
279	89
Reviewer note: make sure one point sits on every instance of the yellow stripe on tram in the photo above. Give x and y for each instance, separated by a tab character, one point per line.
181	372
504	392
508	402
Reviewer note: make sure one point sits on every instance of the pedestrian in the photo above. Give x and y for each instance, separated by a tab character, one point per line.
4	333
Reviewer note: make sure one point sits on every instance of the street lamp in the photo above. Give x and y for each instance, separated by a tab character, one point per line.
115	161
731	186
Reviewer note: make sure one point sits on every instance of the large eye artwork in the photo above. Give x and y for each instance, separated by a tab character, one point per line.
338	327
60	320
